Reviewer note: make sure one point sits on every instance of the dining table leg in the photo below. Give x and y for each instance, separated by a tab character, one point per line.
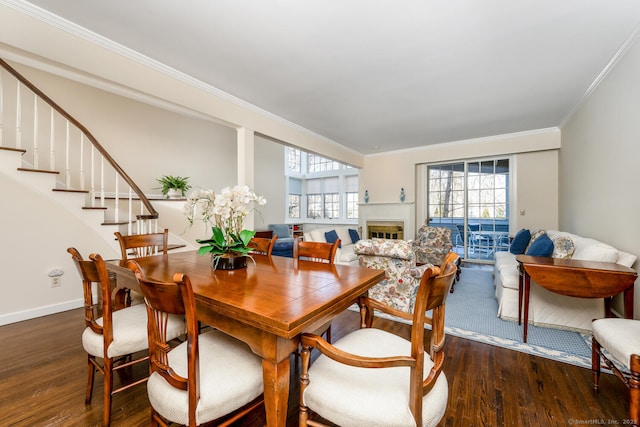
276	391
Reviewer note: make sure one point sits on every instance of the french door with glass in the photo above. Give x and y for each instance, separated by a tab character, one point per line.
472	199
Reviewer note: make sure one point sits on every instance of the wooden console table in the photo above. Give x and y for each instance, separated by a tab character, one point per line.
574	278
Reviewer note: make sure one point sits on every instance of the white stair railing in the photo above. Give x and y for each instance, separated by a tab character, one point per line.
92	171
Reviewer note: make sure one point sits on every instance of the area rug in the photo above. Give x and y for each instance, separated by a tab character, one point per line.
471	313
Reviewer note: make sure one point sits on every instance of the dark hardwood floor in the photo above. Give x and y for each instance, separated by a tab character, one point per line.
43	380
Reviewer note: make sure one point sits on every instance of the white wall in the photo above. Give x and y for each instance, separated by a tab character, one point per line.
599	162
534	156
35	236
147	142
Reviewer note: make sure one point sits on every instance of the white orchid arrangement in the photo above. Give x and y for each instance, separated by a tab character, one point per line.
226	213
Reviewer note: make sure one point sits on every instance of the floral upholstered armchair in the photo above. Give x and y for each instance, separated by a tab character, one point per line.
432	244
397	259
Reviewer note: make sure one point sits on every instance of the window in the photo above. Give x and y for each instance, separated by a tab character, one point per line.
294	206
471	198
319	188
294	160
317	163
332	205
314	206
352	205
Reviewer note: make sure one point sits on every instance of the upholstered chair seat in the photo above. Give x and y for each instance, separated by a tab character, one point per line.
129	332
620	337
617	342
236	379
382	394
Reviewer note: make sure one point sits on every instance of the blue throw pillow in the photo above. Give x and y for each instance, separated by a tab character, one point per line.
520	242
332	236
354	235
542	246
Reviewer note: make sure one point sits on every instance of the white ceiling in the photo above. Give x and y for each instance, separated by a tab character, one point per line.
380	75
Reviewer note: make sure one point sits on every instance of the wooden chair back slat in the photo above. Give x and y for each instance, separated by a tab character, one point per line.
315	251
262	245
141	245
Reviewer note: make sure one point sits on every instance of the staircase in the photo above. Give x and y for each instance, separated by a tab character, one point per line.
45	146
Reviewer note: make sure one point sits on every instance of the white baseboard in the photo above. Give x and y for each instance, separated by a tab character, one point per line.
19	316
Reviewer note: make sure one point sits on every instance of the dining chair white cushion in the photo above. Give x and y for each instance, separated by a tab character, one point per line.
129	332
350	396
230	376
619	337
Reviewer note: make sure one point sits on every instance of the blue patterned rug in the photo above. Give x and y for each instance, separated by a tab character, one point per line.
471	313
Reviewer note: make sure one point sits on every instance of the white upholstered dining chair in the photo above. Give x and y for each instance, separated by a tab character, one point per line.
373	377
209	377
617	342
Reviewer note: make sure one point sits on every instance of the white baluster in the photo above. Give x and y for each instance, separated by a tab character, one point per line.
35	131
67	162
130	219
18	117
101	181
93	180
82	161
52	150
117	198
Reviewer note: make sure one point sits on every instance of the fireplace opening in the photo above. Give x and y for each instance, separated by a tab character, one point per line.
385	230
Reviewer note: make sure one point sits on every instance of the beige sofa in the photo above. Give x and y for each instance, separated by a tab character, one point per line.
345	254
546	308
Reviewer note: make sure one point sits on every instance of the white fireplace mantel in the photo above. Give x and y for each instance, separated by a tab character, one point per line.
400	211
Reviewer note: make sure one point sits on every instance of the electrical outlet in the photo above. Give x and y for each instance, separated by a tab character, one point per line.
56	281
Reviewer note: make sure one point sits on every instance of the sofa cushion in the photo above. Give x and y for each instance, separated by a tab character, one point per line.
563	247
343	235
626	259
354	235
534	236
588	249
346	254
542	246
331	237
520	242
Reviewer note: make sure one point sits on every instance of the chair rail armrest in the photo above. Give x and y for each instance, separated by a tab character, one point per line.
334	353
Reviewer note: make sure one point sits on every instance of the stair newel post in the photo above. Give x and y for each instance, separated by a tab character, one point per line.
52	148
36	154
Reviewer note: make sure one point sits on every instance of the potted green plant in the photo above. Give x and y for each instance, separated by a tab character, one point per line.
174	186
225	212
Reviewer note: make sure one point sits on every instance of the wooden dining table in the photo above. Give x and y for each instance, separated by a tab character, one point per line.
267	305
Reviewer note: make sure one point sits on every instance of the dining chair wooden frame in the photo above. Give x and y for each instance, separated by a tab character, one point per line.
315	251
139	245
136	246
93	271
165	299
431	295
263	245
